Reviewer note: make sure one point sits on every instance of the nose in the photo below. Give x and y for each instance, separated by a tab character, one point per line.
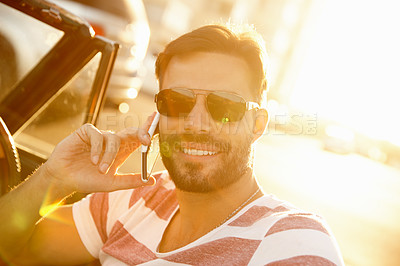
198	121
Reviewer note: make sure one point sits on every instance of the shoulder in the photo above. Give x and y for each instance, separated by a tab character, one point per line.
290	235
99	216
113	204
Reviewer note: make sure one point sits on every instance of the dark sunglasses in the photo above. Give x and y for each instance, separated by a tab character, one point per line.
223	106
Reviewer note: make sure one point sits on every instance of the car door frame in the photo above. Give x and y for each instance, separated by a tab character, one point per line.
72	52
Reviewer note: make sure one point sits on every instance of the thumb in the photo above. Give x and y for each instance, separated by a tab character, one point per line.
128	181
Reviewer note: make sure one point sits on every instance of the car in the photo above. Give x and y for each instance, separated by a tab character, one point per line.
20	50
124	21
69	79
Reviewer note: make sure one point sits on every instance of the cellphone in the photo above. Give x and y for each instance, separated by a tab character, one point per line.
145	149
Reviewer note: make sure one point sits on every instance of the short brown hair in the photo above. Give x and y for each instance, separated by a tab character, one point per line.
238	40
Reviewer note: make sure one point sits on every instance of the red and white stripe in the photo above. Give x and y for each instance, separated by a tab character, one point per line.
125	228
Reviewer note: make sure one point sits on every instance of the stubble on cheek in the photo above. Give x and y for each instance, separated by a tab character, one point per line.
233	161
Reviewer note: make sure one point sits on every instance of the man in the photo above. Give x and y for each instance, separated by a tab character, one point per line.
208	209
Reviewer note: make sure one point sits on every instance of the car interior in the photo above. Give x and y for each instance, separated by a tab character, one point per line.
69	82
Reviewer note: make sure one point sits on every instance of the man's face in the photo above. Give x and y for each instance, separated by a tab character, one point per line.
201	154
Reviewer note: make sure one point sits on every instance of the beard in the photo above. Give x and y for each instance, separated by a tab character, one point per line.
234	160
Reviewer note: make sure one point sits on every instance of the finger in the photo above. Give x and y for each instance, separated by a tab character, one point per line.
144	137
143	134
148	121
131	135
112	145
134	137
127	181
96	142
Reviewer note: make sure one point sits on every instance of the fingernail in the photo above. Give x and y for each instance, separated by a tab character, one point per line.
95	159
103	168
150	182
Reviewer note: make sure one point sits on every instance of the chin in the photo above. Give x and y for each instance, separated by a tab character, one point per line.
199	178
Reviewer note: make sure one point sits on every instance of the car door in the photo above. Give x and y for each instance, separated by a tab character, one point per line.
60	86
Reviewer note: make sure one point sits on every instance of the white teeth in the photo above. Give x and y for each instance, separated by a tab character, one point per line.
198	152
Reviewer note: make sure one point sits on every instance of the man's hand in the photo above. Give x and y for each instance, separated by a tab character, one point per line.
88	159
85	161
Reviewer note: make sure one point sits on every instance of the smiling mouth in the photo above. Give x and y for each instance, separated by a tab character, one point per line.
196	152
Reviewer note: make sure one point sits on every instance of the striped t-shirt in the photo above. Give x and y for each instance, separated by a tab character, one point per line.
126	227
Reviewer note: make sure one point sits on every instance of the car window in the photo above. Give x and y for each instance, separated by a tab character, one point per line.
64	113
23	42
122	8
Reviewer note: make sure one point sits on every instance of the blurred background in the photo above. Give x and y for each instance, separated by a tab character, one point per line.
333	142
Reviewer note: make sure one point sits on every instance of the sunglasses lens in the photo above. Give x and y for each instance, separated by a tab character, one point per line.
226	107
175	102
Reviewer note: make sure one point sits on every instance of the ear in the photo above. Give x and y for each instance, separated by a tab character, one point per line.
260	123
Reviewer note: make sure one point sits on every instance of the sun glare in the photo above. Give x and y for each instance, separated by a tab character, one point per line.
350	73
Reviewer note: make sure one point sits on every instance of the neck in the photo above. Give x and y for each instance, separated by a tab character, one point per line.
199	213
